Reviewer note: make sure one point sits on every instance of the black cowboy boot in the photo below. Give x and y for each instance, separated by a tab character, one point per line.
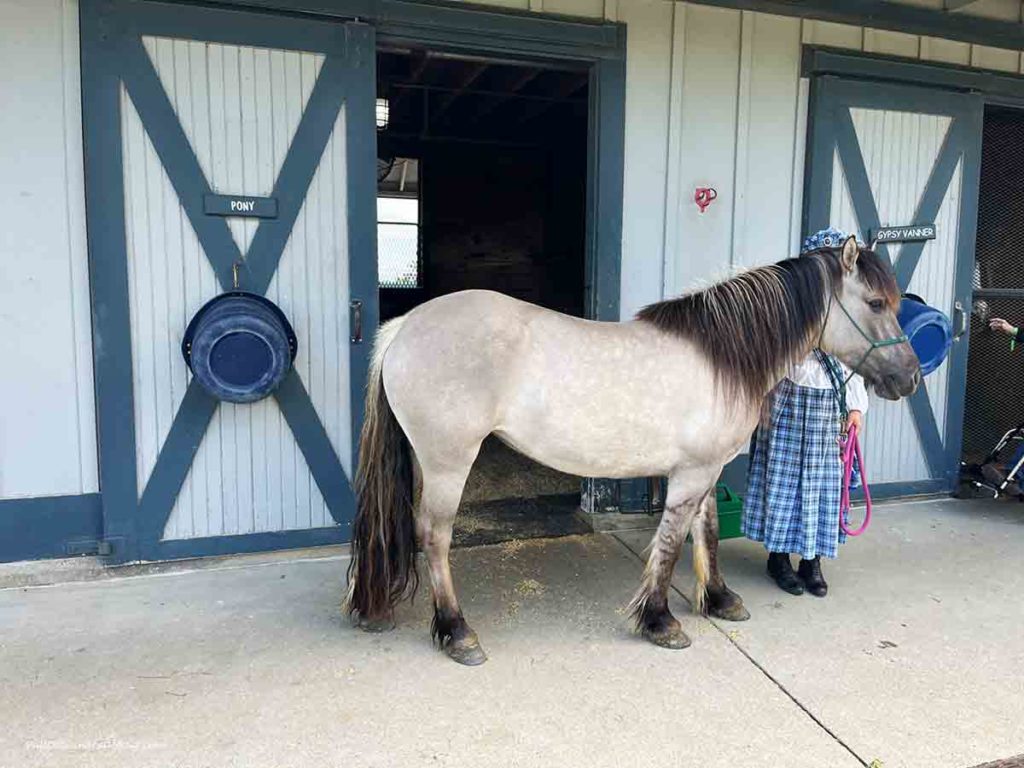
781	570
810	572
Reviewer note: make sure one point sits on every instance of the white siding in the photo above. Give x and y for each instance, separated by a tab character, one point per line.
707	130
737	118
737	122
648	185
47	415
587	8
239	107
613	10
771	125
934	279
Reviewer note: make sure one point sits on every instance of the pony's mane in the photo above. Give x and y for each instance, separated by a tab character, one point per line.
755	326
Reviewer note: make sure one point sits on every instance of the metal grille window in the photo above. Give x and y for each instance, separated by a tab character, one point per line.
1000	204
398	242
398	222
995	376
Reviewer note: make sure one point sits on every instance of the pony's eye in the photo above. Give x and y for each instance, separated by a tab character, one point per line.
876	305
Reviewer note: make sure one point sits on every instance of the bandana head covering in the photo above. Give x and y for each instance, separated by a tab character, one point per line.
825	238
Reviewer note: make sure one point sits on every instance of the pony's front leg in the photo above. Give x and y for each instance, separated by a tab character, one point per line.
650	605
712	595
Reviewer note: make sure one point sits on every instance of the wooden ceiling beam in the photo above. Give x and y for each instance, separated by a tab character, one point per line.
517	85
465	84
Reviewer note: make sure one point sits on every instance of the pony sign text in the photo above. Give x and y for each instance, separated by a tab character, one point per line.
240	205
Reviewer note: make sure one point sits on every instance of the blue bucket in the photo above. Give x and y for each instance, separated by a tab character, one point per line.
239	346
929	331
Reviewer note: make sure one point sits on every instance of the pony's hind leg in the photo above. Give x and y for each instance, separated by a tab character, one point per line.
712	595
687	491
649	607
440	494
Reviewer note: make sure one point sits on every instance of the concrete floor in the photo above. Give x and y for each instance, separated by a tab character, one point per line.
914	659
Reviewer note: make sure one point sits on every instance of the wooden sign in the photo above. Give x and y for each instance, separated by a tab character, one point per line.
903	234
240	205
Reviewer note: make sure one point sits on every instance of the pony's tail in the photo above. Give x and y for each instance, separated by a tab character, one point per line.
701	567
383	567
701	553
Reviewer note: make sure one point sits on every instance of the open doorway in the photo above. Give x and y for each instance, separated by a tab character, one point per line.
994	377
482	183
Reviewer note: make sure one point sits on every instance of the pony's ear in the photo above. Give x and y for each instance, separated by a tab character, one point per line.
850	253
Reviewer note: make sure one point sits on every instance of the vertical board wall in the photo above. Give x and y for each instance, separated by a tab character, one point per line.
239	108
899	150
47	412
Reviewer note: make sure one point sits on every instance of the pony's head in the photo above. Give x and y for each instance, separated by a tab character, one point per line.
860	326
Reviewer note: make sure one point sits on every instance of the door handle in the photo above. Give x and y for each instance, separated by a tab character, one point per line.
355	320
959	320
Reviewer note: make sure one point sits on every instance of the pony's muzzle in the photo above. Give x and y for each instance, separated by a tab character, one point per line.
894	372
897	385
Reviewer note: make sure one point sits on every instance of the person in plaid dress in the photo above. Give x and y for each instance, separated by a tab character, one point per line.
796	468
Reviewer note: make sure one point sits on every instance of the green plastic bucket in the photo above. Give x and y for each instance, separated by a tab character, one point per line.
730	512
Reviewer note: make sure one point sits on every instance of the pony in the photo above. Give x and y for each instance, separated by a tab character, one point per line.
675	392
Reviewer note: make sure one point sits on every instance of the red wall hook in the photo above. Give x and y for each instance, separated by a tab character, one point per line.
703	196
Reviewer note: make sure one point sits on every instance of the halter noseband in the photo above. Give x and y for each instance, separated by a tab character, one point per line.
873	344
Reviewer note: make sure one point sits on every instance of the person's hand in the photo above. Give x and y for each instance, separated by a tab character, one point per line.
855	419
998	324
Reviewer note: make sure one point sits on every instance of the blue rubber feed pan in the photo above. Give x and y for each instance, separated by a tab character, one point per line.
929	331
239	347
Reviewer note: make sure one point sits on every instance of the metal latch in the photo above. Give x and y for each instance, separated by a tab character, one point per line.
356	320
960	318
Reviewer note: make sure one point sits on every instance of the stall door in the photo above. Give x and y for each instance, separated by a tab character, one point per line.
883	155
181	104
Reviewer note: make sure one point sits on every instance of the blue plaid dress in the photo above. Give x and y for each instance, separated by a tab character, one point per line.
792	502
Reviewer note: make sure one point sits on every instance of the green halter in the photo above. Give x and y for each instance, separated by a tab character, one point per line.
873	344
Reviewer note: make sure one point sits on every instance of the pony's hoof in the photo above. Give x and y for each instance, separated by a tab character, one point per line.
723	603
468	653
734	612
379	624
670	636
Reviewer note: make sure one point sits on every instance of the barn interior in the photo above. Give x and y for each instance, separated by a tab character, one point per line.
482	183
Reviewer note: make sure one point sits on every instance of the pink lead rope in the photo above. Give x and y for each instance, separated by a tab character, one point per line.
850	447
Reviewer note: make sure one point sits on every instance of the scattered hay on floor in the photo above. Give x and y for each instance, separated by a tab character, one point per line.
530	588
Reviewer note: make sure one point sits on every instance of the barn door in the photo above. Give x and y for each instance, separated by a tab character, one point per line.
182	104
884	155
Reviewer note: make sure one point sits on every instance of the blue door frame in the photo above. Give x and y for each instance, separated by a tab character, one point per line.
113	55
832	130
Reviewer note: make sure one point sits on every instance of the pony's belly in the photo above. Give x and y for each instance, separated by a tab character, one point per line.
610	458
615	407
633	434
